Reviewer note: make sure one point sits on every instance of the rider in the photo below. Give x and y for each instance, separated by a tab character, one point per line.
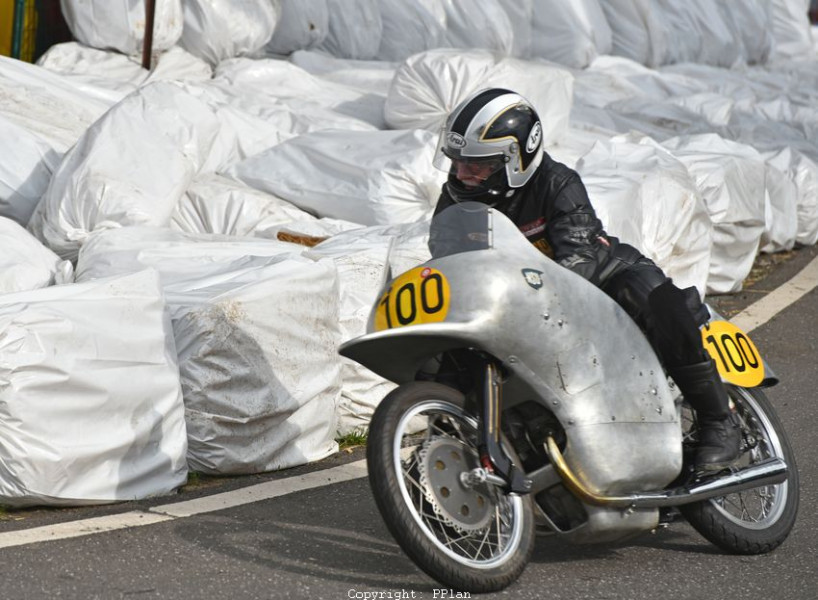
493	140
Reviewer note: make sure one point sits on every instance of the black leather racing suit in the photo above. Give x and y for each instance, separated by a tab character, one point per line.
555	214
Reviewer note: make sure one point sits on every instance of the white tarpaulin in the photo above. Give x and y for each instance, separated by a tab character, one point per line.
429	85
647	198
256	328
120	24
371	178
90	407
215	204
104	183
25	264
731	178
570	32
218	29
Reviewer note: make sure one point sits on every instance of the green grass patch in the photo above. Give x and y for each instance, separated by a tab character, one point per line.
352	440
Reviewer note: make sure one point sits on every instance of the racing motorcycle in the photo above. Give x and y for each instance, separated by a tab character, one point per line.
518	416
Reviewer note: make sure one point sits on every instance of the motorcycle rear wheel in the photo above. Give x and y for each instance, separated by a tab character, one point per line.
755	521
473	539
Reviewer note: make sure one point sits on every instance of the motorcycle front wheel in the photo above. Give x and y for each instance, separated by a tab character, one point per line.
469	537
758	520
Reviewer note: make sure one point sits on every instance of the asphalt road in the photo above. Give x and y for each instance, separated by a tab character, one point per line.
329	542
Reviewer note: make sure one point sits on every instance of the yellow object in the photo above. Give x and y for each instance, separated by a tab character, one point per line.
737	358
418	296
28	35
6	26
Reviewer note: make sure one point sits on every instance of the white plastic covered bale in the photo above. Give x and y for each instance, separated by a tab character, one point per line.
781	212
658	119
367	76
803	171
479	24
108	68
42	114
302	24
260	373
648	199
215	30
371	178
104	183
25	264
752	23
360	257
692	31
429	85
630	36
611	78
26	167
53	107
731	178
91	406
355	29
411	27
570	32
520	15
791	29
215	204
314	102
120	24
173	254
659	32
256	328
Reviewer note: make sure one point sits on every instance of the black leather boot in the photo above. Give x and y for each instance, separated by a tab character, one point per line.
718	426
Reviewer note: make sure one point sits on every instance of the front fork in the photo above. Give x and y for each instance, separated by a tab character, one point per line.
493	458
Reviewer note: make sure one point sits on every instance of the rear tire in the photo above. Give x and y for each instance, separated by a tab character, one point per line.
755	521
473	539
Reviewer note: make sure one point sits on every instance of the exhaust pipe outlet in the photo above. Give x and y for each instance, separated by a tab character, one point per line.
767	472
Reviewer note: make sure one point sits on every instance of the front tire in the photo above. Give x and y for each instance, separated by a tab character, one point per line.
755	521
473	539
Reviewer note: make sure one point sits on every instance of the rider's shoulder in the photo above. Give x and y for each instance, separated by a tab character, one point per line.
554	173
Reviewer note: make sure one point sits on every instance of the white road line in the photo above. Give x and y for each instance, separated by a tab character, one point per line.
750	318
263	491
773	303
72	529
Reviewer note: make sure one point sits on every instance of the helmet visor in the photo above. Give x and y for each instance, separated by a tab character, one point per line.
474	172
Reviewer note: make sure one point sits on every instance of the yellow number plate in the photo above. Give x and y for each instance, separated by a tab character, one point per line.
737	358
421	295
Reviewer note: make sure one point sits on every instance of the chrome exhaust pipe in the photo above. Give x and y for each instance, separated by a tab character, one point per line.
768	472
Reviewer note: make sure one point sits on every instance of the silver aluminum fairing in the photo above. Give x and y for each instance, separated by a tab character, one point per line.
566	344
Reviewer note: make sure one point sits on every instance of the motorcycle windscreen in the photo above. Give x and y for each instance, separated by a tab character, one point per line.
464	227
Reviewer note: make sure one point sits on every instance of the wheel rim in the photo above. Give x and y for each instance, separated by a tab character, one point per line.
478	527
757	508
